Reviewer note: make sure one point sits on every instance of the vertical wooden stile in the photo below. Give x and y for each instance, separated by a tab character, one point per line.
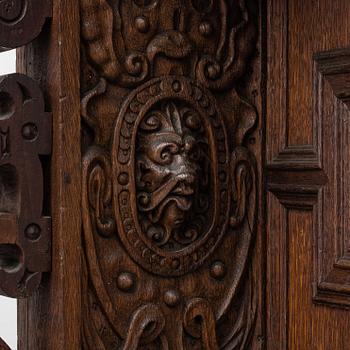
51	319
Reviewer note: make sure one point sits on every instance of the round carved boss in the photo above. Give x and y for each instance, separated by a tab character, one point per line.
170	175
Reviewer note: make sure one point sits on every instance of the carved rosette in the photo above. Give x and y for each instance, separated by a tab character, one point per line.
169	180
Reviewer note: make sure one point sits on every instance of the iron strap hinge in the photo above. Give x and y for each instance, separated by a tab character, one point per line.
25	147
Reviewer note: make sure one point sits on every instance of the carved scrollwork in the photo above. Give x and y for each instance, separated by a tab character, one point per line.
222	52
21	21
100	194
243	170
199	322
219	72
146	326
169	179
100	24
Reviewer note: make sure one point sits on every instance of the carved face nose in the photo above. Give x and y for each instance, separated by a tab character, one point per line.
186	177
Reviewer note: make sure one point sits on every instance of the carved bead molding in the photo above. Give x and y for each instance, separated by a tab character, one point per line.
21	21
332	252
25	138
169	177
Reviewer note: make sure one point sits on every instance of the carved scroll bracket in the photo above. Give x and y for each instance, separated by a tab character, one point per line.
21	21
25	138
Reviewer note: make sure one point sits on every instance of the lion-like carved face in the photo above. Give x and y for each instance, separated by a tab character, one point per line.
172	175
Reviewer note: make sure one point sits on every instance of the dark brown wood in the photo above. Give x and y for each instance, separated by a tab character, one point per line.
51	318
171	152
25	135
307	157
25	234
331	109
158	187
157	178
21	21
177	248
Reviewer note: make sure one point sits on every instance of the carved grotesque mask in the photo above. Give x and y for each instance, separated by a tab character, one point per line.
172	175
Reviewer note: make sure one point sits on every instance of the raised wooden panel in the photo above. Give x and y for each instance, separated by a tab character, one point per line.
307	165
282	150
332	251
51	318
281	200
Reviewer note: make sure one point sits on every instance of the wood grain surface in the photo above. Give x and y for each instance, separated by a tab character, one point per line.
307	199
51	319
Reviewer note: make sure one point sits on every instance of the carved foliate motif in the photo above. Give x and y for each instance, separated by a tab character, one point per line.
169	183
130	41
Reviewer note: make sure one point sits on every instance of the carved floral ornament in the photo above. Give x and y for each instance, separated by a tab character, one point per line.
170	185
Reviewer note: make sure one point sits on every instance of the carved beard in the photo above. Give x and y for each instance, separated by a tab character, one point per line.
171	213
168	165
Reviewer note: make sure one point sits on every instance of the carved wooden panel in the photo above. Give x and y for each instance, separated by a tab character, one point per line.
169	177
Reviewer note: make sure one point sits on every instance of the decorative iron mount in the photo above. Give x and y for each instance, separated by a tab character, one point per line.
25	140
21	21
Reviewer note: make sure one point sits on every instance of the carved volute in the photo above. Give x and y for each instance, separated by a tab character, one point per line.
169	174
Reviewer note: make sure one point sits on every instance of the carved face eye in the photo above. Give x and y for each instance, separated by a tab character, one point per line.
161	151
202	5
167	153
